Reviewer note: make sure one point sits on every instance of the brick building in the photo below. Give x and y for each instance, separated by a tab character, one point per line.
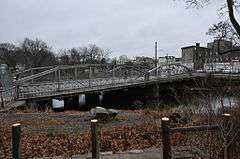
195	56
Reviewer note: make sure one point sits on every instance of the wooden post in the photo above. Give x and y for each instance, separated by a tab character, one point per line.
95	139
16	141
166	138
226	129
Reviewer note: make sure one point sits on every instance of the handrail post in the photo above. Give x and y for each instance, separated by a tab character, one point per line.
113	75
90	76
16	141
17	90
32	73
166	138
59	79
95	139
75	73
146	77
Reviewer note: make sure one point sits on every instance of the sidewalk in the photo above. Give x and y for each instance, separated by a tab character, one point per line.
180	153
134	154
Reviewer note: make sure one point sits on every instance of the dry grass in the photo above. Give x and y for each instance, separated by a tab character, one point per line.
146	135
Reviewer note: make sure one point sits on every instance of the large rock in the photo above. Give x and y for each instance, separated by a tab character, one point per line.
103	113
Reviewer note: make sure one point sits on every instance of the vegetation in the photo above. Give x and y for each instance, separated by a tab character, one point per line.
35	53
231	6
117	139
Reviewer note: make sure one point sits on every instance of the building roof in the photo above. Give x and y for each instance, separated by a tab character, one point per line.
193	46
187	47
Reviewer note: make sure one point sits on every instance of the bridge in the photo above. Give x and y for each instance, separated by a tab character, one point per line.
58	81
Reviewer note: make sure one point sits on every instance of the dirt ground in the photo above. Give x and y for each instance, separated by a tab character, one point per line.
46	134
67	122
49	134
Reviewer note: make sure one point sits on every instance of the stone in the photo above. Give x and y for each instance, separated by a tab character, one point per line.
101	113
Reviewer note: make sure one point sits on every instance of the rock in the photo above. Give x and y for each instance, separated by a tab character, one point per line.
112	112
103	113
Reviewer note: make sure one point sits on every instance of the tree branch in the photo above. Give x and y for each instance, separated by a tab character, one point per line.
233	20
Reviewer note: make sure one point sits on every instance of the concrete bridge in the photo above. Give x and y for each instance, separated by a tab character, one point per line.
62	81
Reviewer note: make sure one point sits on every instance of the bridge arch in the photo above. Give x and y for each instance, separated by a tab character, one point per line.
130	71
170	70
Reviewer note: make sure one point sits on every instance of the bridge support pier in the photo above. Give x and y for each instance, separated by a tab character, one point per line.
152	95
156	94
101	95
72	103
92	100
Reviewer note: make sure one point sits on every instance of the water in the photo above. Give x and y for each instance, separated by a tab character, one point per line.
210	103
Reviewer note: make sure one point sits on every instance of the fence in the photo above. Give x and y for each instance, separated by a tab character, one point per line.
227	139
165	132
97	144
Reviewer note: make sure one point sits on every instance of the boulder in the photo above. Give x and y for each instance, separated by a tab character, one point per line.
101	113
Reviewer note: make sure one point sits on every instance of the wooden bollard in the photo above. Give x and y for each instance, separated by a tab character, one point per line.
166	138
226	129
226	118
95	139
16	141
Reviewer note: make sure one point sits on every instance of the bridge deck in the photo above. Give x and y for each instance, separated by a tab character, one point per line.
63	82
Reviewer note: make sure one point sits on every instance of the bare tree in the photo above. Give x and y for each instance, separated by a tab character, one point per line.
96	54
221	30
82	55
34	53
7	54
64	57
123	59
231	5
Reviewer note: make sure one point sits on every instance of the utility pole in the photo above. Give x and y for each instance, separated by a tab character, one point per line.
156	54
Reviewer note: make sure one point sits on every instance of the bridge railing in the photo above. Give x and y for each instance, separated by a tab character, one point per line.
7	96
62	79
54	88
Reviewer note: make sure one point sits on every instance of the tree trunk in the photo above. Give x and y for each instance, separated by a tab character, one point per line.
233	20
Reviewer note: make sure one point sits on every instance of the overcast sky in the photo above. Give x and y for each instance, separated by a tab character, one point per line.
127	27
